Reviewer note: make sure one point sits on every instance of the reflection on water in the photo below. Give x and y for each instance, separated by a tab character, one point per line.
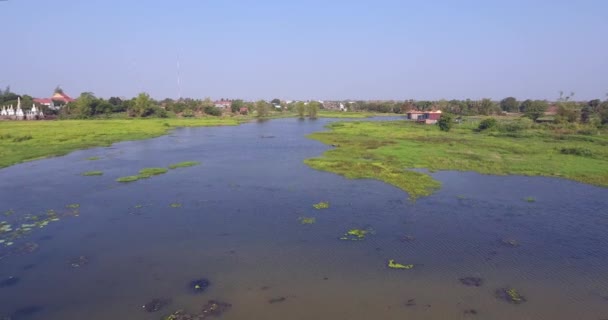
239	226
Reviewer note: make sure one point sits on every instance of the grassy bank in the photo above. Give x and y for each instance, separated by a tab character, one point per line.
382	150
22	141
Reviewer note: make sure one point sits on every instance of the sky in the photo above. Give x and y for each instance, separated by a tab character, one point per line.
308	49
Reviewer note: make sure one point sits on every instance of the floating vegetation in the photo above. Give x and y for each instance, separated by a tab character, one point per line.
199	286
510	242
26	248
92	173
471	281
8	212
213	308
79	262
356	234
510	295
175	205
410	303
156	304
128	179
277	300
149	172
184	164
93	158
9	282
321	205
138	206
307	220
73	206
471	312
530	199
394	265
23	226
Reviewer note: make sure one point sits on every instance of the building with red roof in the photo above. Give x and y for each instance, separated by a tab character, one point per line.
58	99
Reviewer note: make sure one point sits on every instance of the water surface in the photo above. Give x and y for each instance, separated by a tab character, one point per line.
238	226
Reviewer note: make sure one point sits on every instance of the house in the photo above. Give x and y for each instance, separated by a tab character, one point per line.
428	117
223	104
56	101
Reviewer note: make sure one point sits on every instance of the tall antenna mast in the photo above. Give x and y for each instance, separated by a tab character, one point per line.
179	81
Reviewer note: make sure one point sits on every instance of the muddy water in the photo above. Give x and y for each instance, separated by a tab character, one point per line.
238	227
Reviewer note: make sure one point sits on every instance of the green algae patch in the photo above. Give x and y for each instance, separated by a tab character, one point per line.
321	205
184	164
92	173
149	172
307	220
93	158
73	206
356	234
530	199
128	179
388	150
394	265
175	205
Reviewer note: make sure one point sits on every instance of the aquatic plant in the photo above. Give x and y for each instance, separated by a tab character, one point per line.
93	158
277	300
471	281
510	295
184	164
199	285
530	199
394	265
213	308
79	262
149	172
175	205
321	205
92	173
9	282
22	226
73	206
9	212
355	234
307	220
128	179
156	304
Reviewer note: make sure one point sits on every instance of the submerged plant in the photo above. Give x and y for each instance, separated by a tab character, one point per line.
394	265
530	199
307	220
510	295
198	286
321	205
184	164
92	173
471	281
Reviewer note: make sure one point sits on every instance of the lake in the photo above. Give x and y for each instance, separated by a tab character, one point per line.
235	221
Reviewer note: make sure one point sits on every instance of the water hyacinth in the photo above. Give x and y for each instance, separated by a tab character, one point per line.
307	220
321	205
184	164
356	234
394	265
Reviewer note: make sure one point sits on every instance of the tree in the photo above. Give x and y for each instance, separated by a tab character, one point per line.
509	104
236	106
58	90
262	108
276	101
525	105
313	109
486	107
142	107
536	109
301	109
586	112
445	122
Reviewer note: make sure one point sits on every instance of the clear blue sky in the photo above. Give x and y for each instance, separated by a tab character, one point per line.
307	49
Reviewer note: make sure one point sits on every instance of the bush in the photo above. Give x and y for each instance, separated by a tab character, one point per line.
583	152
213	111
515	126
188	113
486	124
445	122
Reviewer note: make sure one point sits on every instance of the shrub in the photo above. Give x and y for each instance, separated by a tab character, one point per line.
515	126
188	113
486	124
445	122
213	111
583	152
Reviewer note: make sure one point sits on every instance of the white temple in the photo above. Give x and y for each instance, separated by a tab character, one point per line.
8	113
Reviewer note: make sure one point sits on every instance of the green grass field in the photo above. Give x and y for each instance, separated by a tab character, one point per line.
22	141
386	150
